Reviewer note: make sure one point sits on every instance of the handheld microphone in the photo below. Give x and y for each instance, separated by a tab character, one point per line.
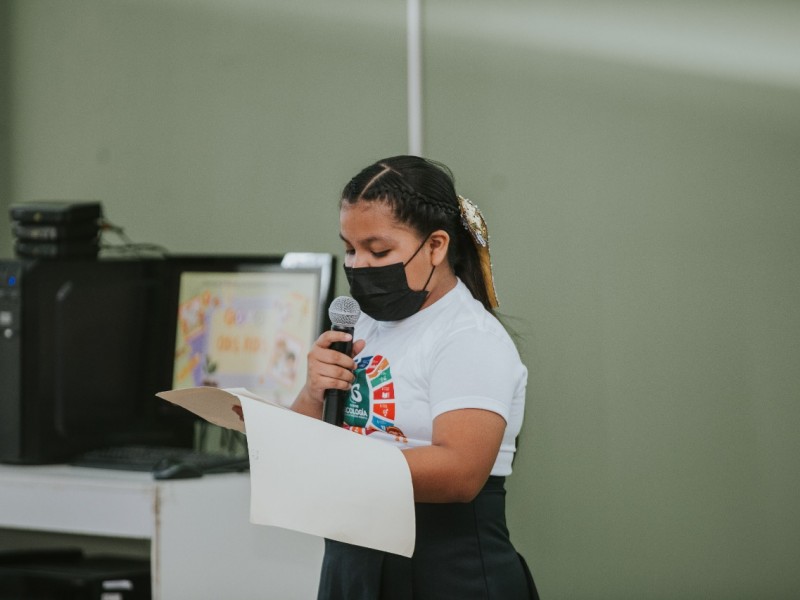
343	313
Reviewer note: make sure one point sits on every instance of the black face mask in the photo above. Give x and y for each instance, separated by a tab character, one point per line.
383	292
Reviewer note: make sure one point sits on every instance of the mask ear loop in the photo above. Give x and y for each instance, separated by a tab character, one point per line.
433	268
412	258
405	264
473	221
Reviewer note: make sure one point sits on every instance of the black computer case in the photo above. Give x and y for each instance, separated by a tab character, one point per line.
69	574
81	357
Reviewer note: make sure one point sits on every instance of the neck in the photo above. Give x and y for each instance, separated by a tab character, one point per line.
442	282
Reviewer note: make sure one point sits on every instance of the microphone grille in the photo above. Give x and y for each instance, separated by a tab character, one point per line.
344	311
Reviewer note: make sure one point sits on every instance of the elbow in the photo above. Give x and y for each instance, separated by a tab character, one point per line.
452	488
465	497
467	489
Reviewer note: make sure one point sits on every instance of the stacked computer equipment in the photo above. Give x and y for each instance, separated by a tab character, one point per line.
56	229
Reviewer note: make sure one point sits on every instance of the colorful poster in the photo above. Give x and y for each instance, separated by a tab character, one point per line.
246	329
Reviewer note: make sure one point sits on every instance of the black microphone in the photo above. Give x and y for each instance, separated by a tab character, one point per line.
343	313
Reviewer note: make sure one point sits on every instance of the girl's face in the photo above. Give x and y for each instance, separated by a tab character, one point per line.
374	238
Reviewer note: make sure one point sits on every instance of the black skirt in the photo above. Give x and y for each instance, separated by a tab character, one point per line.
462	551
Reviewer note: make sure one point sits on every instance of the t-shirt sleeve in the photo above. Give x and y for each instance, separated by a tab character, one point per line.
474	369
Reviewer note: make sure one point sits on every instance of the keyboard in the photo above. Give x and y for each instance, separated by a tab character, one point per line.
158	459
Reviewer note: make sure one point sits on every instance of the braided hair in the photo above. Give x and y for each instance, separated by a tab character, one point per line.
421	194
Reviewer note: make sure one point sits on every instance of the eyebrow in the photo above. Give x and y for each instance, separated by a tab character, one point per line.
367	241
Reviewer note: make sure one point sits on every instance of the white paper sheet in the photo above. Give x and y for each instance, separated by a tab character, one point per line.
308	476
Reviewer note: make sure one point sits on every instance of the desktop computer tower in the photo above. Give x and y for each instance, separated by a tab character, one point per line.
81	349
69	574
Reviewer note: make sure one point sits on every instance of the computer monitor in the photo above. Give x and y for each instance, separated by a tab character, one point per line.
248	321
86	344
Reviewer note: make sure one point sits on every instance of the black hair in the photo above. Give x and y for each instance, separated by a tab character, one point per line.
421	194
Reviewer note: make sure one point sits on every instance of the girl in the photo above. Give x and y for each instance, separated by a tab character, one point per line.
434	373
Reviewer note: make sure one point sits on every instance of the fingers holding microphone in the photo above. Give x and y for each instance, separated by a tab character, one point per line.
329	368
330	365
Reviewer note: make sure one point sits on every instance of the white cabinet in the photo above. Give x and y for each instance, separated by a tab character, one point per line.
202	545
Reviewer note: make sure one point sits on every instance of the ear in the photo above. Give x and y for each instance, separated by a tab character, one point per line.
438	243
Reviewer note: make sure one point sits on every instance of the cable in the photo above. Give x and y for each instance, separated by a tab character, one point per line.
128	245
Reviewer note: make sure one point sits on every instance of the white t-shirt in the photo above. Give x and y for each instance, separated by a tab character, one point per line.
451	355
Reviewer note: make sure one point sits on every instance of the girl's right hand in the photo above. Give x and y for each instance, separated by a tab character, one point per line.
327	369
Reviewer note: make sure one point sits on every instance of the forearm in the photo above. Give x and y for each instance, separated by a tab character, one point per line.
461	456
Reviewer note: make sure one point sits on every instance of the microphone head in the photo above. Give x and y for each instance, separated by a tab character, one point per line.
344	311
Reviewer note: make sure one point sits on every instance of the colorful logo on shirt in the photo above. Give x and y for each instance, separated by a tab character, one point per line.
371	404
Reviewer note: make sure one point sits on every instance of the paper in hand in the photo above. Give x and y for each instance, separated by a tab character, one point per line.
309	476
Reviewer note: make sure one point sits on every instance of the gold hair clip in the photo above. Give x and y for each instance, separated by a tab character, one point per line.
473	221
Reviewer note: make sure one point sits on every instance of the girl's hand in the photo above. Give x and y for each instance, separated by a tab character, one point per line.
327	369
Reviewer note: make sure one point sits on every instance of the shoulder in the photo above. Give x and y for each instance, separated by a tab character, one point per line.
466	326
468	315
474	363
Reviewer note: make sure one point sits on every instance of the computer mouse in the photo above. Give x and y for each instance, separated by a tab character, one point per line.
176	470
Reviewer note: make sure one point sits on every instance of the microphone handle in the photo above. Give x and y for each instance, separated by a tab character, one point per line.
333	408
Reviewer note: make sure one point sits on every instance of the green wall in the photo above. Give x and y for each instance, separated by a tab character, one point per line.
637	164
5	124
646	230
203	125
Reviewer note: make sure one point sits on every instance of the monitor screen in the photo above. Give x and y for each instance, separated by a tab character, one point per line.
251	324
